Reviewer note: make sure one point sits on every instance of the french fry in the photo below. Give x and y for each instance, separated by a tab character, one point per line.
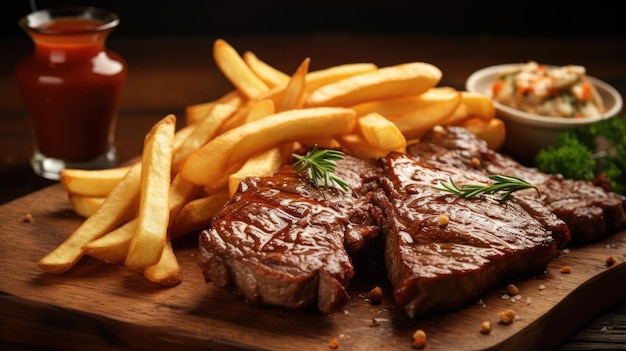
381	133
234	146
296	87
259	109
319	78
255	109
167	271
316	79
197	112
181	191
236	70
414	124
85	206
93	183
387	82
268	74
112	247
197	214
203	131
492	131
181	135
109	215
148	240
406	104
357	146
473	105
263	164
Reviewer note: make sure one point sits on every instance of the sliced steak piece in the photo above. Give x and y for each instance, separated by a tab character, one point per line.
590	211
443	251
284	242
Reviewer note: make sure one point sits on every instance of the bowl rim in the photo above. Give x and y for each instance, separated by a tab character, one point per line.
488	73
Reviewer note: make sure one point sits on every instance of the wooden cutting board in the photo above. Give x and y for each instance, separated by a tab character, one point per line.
101	306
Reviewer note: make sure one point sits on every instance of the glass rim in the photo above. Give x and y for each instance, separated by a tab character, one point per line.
34	20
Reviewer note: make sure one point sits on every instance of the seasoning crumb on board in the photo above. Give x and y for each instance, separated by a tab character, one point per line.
610	261
419	339
333	344
376	296
507	316
566	270
511	289
28	218
485	327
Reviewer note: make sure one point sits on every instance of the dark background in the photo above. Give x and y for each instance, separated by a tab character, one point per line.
158	18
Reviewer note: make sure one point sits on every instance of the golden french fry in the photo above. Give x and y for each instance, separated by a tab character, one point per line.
109	215
259	109
492	131
197	214
234	146
255	109
320	78
387	82
85	206
94	183
182	134
203	131
181	192
414	124
268	74
296	87
236	70
357	146
263	164
381	133
153	216
167	271
473	105
112	247
406	104
197	112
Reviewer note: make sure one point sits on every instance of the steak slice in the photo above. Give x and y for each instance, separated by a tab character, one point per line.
282	241
443	251
590	211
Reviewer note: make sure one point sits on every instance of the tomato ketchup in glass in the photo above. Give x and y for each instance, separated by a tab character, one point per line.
71	88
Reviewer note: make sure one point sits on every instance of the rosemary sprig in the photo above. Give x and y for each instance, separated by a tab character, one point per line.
503	183
321	164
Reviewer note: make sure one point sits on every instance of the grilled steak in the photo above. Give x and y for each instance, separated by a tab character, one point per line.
442	251
590	211
284	242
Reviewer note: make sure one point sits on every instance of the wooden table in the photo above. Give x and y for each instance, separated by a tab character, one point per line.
168	74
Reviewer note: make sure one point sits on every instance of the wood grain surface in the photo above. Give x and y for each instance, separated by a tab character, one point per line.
101	306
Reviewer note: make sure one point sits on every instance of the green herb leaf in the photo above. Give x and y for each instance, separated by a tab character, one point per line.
577	153
503	183
321	164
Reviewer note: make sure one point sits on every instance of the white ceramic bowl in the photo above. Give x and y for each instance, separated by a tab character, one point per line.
527	133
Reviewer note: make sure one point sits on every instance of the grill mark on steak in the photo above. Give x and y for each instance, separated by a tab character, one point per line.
434	267
284	242
590	211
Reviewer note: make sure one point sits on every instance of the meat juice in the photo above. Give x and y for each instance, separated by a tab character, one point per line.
71	88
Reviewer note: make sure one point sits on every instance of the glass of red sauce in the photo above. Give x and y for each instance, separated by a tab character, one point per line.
71	88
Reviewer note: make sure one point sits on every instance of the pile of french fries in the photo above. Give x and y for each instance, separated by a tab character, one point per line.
133	212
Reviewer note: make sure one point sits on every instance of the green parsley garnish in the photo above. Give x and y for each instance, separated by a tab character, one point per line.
503	183
322	164
585	152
